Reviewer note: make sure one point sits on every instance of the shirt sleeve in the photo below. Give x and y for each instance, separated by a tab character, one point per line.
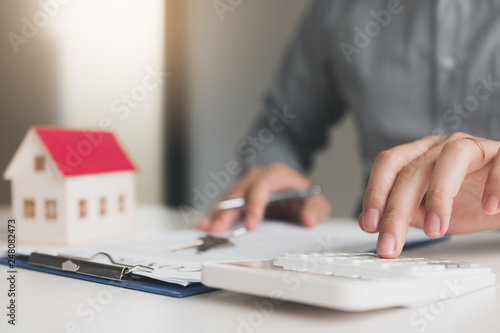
303	102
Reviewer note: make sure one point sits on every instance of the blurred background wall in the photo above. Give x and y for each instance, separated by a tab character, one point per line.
28	93
82	64
220	56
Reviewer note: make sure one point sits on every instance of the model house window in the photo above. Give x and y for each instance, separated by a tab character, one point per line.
50	210
39	163
29	208
82	207
102	206
121	203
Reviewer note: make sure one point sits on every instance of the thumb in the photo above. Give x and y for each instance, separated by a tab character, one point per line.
316	208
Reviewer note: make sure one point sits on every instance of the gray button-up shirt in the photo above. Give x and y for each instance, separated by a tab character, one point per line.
407	69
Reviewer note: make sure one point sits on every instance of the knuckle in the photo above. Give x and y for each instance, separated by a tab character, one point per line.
396	214
238	190
228	215
255	170
425	156
416	154
458	135
454	147
258	168
388	155
256	192
286	172
409	172
391	157
437	193
435	138
253	200
277	166
426	142
433	141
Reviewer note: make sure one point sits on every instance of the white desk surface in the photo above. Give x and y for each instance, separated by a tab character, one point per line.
50	303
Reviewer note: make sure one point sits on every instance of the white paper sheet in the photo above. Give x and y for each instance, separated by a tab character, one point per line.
268	240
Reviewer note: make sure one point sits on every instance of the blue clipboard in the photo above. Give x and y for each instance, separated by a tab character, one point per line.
141	284
159	287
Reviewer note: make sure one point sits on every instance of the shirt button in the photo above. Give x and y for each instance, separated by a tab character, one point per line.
448	63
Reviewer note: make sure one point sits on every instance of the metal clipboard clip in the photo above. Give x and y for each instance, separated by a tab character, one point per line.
113	271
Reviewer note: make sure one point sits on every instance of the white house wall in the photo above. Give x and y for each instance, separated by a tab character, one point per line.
94	226
39	186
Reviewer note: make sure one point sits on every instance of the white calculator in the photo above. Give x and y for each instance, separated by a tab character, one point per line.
349	281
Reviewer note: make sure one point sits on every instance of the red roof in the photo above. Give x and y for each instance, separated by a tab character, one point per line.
84	152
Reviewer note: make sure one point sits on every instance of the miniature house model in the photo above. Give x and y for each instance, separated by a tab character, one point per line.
71	187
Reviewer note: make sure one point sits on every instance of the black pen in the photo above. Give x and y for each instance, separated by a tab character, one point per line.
277	196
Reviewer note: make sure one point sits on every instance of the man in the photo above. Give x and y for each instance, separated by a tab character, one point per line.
423	79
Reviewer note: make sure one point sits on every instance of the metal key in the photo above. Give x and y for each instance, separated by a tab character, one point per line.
211	242
208	242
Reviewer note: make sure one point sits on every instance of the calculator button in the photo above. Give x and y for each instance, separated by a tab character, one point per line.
368	265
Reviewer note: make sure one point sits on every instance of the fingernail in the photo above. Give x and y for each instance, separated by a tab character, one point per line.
386	244
491	204
432	224
371	220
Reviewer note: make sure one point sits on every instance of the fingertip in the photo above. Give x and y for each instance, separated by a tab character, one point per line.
251	221
224	221
255	214
250	225
387	246
315	210
309	220
388	256
433	225
491	205
370	220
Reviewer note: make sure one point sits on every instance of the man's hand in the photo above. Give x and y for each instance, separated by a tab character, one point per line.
438	184
256	187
